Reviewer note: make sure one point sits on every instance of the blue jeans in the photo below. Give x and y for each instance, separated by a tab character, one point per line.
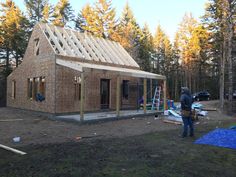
187	122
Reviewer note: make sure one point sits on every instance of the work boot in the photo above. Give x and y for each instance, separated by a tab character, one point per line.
191	135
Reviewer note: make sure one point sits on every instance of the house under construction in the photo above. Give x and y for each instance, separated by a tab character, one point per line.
65	71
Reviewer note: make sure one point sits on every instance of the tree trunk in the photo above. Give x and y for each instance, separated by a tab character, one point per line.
17	59
222	76
7	58
230	65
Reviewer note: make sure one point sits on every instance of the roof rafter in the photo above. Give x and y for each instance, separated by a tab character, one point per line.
71	43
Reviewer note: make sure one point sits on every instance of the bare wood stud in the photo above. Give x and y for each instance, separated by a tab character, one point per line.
145	95
82	98
118	96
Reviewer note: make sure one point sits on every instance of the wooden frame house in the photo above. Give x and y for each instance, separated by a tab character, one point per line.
65	71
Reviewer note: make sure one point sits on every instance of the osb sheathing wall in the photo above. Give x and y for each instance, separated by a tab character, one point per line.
60	92
34	66
65	90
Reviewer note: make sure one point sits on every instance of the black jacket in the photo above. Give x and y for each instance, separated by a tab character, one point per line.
186	99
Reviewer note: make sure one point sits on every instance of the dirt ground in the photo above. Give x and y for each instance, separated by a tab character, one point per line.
33	128
139	147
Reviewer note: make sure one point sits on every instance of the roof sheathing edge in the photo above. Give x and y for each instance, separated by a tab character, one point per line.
77	59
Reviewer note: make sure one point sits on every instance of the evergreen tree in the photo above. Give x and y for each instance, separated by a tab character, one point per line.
159	49
106	22
220	19
99	20
63	13
145	48
128	32
47	13
37	10
188	47
87	19
13	35
176	68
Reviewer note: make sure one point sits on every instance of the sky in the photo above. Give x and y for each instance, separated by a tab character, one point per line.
167	13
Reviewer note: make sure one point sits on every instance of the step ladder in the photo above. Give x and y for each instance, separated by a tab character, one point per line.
156	99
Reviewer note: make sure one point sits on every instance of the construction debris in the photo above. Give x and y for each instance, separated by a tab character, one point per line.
209	109
16	139
12	149
10	120
175	115
172	122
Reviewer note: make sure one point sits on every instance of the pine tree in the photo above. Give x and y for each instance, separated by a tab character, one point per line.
188	47
98	20
106	21
145	49
177	68
13	27
128	32
220	19
159	47
37	10
63	13
47	12
87	19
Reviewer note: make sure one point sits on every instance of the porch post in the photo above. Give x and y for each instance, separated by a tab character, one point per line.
164	91
82	97
118	96
145	95
151	89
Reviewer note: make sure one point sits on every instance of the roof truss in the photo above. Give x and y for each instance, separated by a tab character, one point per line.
71	43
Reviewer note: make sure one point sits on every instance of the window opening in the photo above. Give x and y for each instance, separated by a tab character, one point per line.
125	89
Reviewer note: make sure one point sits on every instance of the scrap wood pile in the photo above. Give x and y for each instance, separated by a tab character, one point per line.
174	115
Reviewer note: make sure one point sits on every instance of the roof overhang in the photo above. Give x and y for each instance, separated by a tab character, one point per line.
78	66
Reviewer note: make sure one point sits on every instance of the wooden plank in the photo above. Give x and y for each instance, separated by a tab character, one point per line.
12	149
145	95
101	50
107	54
209	109
52	37
71	41
80	46
113	57
131	60
68	49
124	58
82	98
95	47
116	53
87	47
118	96
10	120
69	64
172	122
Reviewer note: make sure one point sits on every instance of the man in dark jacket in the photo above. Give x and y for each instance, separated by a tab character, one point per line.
186	107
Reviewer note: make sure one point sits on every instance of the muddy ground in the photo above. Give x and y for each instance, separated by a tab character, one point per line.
144	146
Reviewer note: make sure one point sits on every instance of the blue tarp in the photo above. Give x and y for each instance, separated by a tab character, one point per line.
219	137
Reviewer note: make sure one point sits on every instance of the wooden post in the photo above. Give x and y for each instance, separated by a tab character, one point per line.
151	88
118	96
82	97
145	95
164	91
